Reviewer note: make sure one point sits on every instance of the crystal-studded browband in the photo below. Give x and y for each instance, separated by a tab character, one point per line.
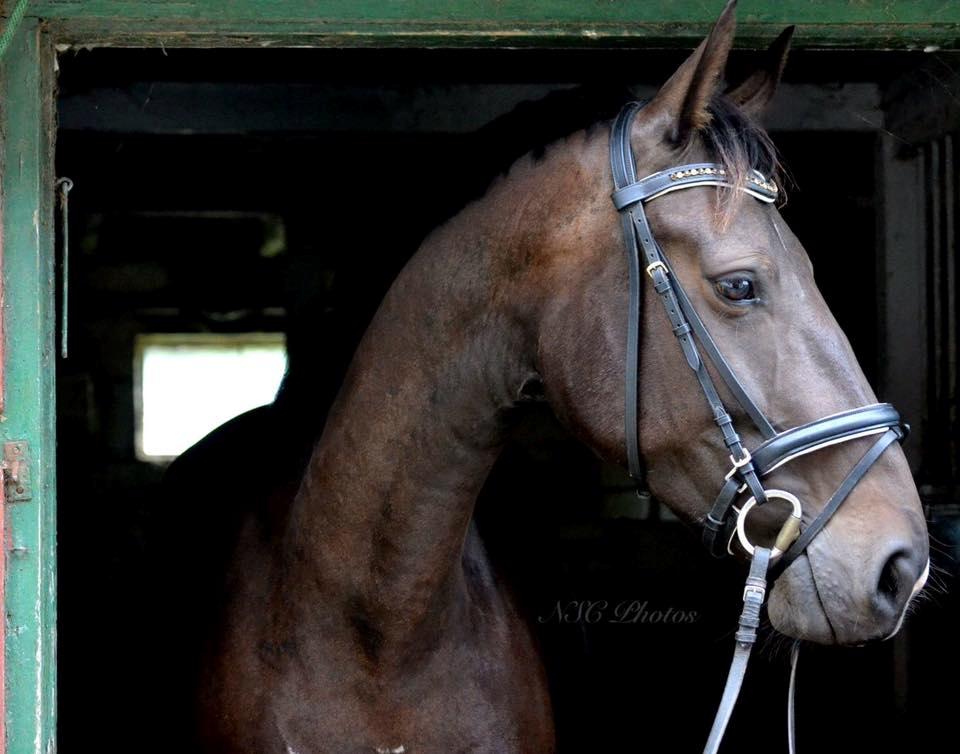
688	176
756	178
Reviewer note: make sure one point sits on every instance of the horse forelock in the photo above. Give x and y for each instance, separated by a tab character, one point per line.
740	145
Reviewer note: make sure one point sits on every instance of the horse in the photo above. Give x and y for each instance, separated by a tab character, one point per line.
362	614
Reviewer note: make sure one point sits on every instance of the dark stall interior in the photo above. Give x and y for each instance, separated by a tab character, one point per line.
221	192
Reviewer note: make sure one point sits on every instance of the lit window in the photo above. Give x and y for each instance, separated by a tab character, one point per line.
189	384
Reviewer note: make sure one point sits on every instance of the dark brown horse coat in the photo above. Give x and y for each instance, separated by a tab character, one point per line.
361	613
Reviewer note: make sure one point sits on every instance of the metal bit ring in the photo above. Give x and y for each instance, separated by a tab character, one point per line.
788	532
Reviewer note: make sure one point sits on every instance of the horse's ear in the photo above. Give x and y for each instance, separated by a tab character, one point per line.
758	89
682	102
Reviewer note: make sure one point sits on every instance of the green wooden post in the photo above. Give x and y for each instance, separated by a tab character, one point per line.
26	113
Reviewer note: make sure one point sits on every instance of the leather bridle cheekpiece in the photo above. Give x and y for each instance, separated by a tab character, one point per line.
726	521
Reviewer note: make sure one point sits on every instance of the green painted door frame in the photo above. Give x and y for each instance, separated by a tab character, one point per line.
27	126
830	23
26	110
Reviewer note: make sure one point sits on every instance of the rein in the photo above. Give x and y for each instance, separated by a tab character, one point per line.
725	521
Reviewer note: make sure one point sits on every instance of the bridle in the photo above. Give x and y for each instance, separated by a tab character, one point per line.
726	521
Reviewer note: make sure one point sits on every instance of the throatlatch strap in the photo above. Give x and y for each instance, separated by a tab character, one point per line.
624	174
631	409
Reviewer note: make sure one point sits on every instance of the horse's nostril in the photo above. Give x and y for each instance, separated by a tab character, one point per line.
891	576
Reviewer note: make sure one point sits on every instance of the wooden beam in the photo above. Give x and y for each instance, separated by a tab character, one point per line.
876	24
240	108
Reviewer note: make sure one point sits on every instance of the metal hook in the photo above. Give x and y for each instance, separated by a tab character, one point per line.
64	185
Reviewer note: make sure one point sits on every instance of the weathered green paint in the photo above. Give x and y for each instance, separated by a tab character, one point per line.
510	11
870	23
28	310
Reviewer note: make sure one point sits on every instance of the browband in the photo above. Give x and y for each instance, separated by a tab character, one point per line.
688	176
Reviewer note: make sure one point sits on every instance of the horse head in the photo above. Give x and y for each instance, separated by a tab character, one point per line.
749	281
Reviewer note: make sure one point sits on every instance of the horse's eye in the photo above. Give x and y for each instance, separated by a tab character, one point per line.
737	288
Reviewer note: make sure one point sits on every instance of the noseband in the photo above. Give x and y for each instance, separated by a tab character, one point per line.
726	521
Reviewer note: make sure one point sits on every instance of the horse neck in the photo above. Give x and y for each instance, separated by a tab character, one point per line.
384	509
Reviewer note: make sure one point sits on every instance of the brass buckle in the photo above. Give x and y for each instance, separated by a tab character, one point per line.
658	265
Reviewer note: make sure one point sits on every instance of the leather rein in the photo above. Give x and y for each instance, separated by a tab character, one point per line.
726	521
